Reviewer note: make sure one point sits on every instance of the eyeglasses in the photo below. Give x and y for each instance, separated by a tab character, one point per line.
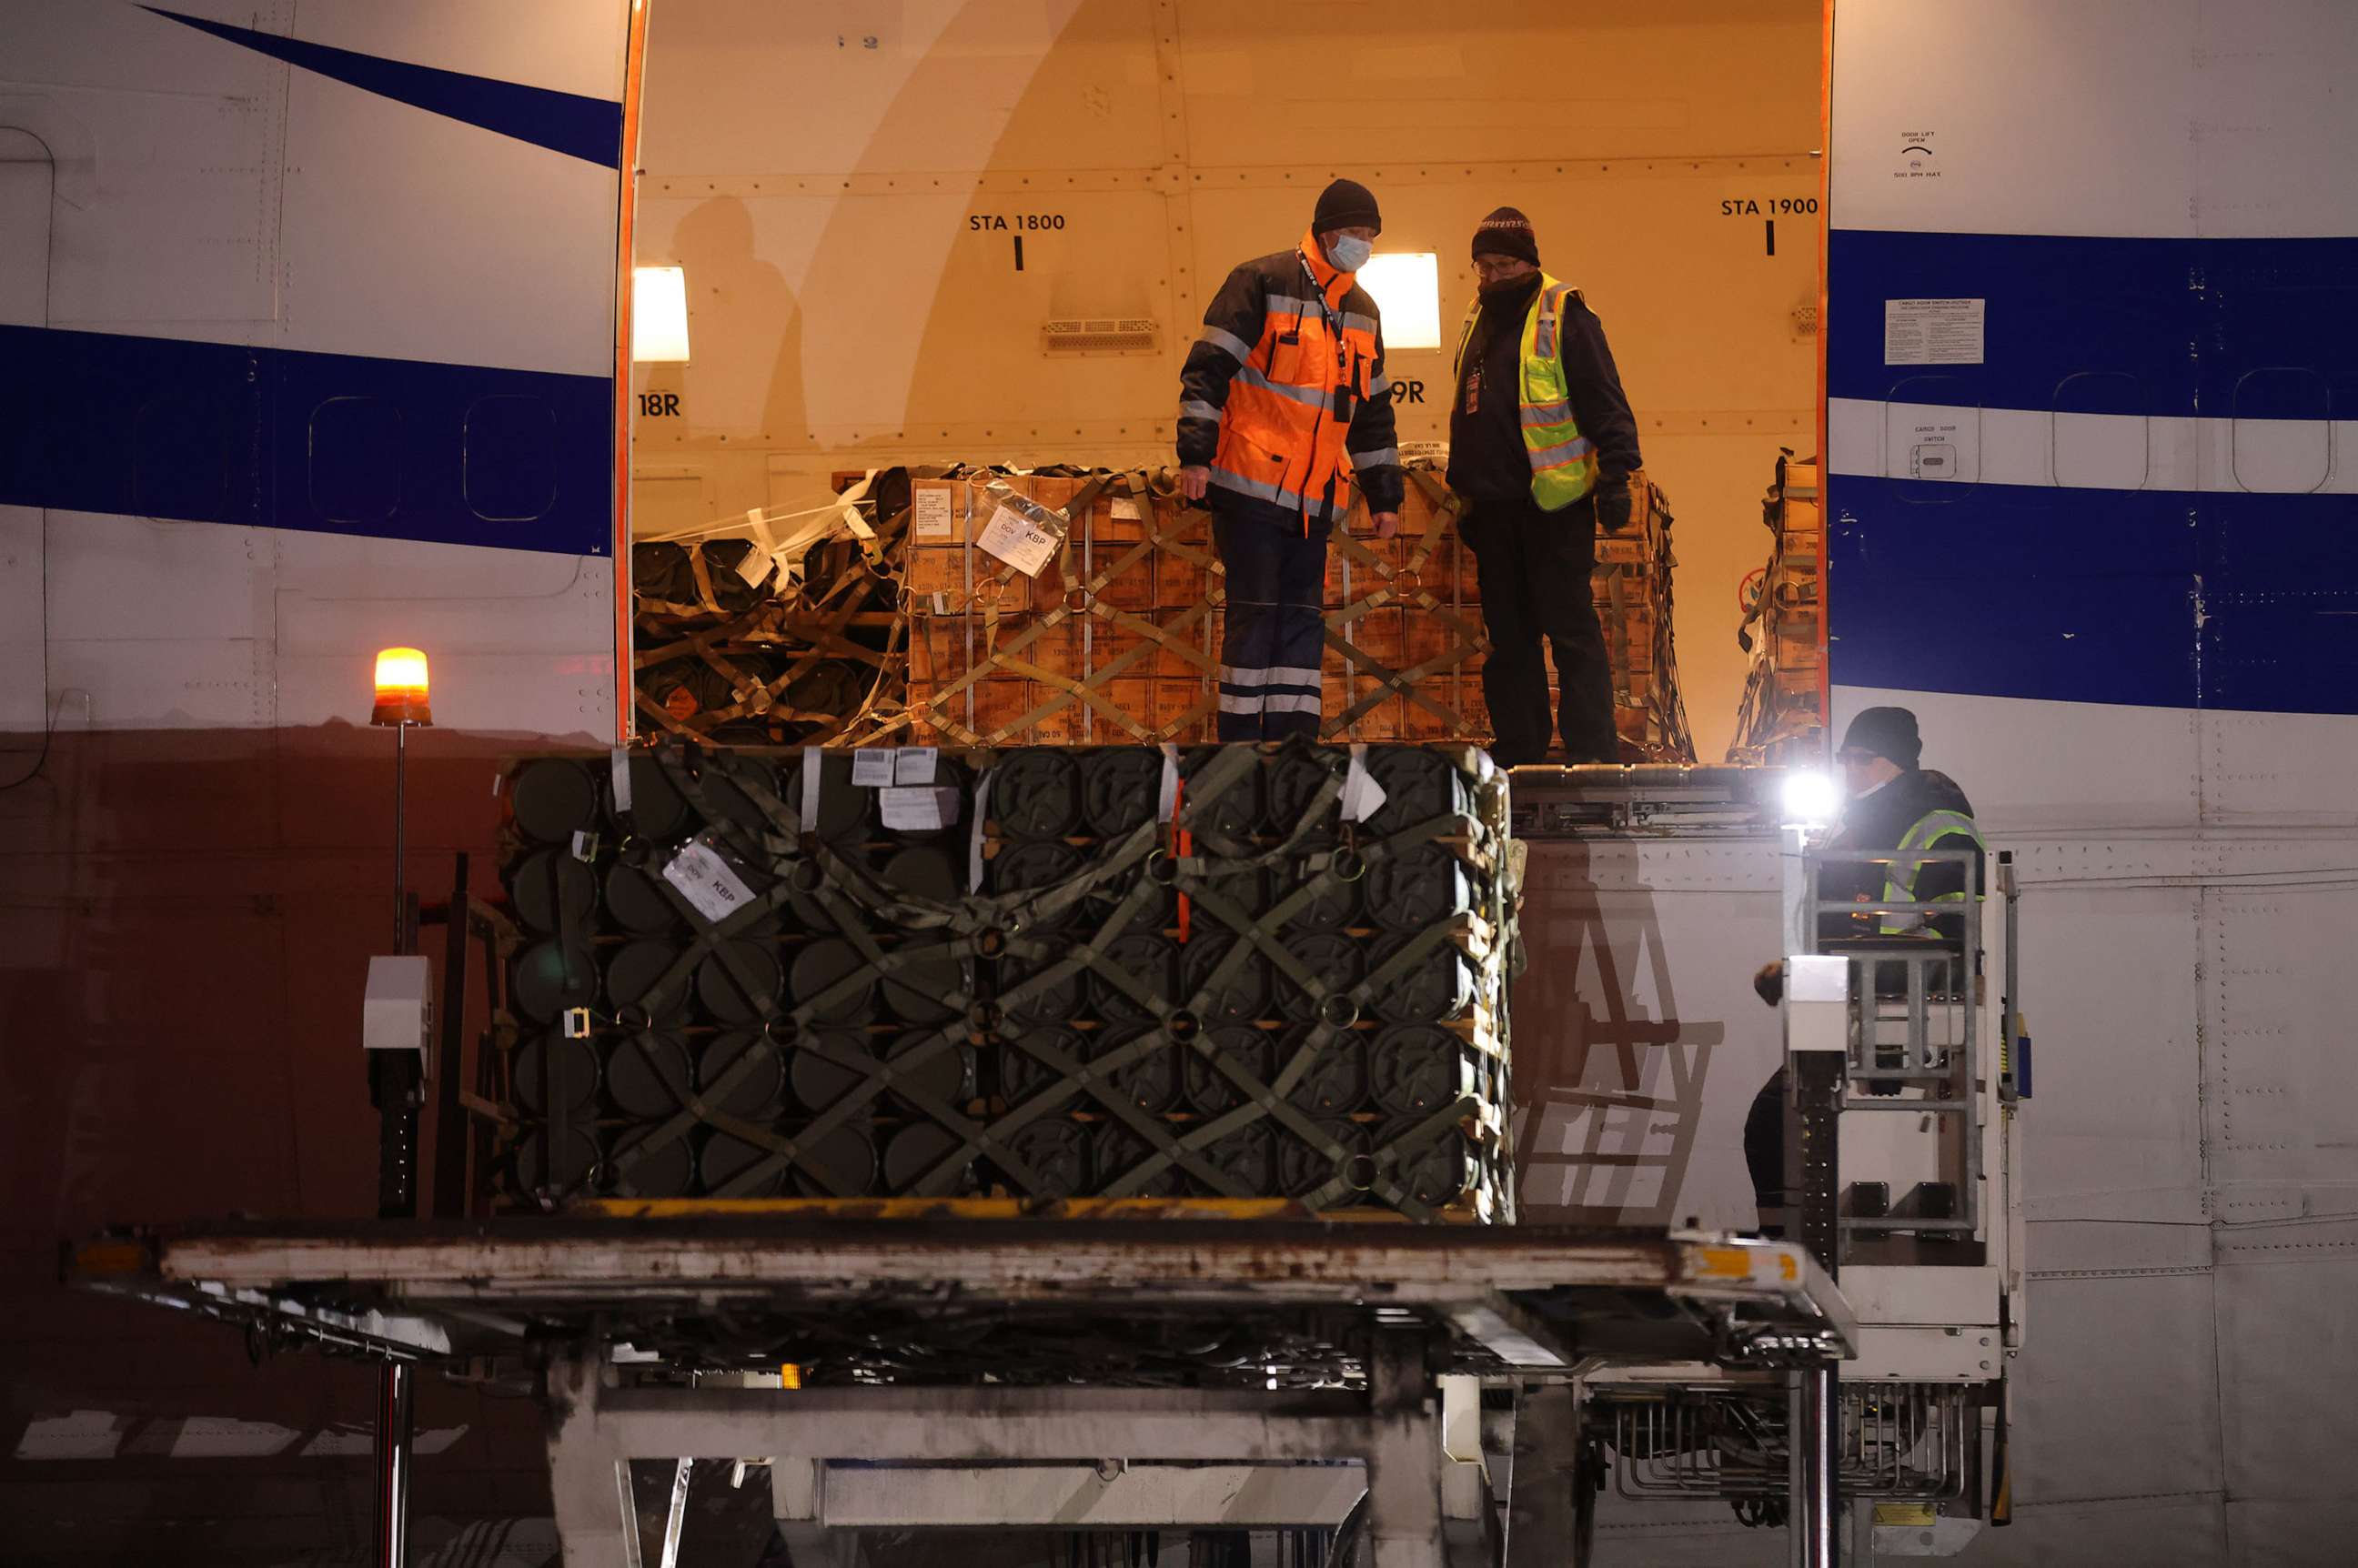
1505	266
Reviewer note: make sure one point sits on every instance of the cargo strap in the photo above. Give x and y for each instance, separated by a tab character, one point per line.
704	595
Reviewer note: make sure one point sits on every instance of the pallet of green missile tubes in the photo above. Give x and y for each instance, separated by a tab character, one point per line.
1044	974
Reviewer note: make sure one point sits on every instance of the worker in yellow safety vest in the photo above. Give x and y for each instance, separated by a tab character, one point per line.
1284	404
1891	803
1544	448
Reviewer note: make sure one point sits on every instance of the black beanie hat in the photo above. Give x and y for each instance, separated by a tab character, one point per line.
1345	204
1506	232
1887	732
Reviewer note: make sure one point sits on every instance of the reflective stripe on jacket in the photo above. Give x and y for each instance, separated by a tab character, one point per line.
1564	462
1284	395
1899	877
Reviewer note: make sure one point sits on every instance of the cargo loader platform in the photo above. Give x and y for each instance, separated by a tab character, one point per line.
1137	1363
1532	1300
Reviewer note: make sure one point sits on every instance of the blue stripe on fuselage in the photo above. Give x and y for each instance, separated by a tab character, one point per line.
2155	598
323	443
587	128
2261	328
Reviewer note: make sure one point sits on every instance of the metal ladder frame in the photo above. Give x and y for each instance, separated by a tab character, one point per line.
1951	1064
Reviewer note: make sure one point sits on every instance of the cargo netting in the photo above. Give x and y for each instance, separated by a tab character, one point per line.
905	626
1035	973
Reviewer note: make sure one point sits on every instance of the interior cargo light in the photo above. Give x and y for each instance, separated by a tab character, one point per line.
659	315
1406	286
1810	800
401	689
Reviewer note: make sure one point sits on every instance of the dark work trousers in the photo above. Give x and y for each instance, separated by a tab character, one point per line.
1277	632
1764	1149
1534	567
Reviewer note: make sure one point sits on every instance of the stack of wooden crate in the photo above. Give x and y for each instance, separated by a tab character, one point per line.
1782	718
1116	639
1118	636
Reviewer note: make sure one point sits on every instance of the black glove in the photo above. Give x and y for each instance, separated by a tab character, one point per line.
1769	982
1614	505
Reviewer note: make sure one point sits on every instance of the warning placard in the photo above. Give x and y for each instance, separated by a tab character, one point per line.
1933	331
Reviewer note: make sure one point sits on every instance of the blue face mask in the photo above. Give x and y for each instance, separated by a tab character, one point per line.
1349	254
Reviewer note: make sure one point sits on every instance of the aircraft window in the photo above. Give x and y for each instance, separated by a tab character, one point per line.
355	460
511	459
1933	437
2284	431
2099	434
180	455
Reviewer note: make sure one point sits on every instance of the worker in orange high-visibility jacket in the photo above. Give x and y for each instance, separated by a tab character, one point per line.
1282	405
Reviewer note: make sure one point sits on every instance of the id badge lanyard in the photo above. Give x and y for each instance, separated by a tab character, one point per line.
1339	401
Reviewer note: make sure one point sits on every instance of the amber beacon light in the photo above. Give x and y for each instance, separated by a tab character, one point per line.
393	1076
400	703
401	688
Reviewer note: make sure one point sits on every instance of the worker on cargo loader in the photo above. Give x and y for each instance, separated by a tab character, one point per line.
1890	804
1893	803
1544	448
1282	401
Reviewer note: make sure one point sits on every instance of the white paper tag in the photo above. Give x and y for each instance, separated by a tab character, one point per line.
1024	542
872	768
1169	798
755	567
585	845
858	524
707	881
619	762
1127	510
916	764
929	516
812	777
921	809
975	841
1362	795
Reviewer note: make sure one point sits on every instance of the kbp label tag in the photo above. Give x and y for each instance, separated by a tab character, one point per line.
1022	533
707	881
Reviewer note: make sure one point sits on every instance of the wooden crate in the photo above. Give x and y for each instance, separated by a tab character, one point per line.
1463	710
1185	710
1359	711
1185	565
